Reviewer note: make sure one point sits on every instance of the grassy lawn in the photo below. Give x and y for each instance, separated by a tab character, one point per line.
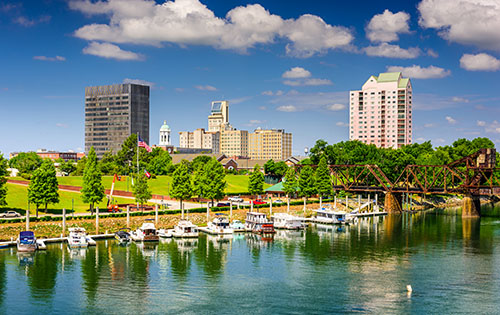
159	185
17	199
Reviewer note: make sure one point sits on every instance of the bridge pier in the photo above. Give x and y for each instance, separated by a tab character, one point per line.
392	203
471	207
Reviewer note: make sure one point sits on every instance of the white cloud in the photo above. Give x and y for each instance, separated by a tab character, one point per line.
296	73
45	58
420	139
428	125
299	77
458	99
267	93
432	53
287	108
392	51
450	120
187	22
440	140
138	81
27	22
262	107
239	100
479	62
318	101
107	50
336	107
179	90
493	127
206	88
417	72
481	123
385	27
62	125
341	124
278	93
470	22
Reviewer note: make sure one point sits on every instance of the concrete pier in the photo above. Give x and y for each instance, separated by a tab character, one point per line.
392	203
471	207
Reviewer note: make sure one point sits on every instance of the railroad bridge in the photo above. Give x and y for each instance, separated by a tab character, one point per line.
472	176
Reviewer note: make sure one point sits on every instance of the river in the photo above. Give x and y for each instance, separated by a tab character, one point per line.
451	264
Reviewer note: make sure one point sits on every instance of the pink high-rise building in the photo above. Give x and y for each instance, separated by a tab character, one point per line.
380	113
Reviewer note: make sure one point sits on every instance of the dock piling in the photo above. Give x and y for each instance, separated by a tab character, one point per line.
64	221
156	214
28	219
97	220
128	216
271	205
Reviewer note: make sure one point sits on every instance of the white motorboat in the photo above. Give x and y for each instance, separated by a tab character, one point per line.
26	242
77	238
162	233
219	225
237	226
328	215
257	222
146	233
287	221
185	229
123	236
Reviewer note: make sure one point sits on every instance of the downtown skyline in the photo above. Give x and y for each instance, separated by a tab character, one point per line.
287	65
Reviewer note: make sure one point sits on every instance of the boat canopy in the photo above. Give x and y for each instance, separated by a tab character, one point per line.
27	235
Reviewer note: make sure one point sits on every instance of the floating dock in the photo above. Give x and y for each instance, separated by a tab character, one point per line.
42	242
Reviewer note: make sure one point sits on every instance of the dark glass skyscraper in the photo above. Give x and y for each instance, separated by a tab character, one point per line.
113	113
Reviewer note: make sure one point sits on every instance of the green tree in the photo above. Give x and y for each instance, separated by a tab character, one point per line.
141	189
26	163
43	188
306	183
323	181
126	158
214	182
269	167
290	185
256	181
92	190
181	188
198	161
67	167
198	178
3	180
80	167
160	163
280	169
107	164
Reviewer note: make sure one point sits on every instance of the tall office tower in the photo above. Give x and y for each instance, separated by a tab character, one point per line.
219	115
380	113
113	113
265	144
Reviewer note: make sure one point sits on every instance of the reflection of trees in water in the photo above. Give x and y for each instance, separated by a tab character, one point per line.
210	255
180	258
3	278
395	235
42	274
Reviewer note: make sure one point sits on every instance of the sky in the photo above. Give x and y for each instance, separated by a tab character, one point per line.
281	64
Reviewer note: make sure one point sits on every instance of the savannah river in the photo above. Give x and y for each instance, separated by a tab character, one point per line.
452	265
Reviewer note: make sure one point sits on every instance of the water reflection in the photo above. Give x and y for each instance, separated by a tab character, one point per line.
448	260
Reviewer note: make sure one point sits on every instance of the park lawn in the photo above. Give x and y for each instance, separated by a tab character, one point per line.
17	199
159	185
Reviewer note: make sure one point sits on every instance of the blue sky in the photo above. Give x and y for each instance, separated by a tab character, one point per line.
281	64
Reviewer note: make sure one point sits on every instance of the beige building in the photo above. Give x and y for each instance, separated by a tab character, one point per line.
219	115
267	144
233	142
199	139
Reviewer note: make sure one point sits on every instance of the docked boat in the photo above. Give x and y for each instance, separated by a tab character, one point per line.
146	233
257	222
26	242
123	236
77	238
219	225
162	233
329	216
185	229
237	226
287	221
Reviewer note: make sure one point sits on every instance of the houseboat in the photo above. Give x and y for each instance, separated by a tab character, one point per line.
146	233
26	242
287	221
328	215
219	225
185	229
257	222
237	226
77	238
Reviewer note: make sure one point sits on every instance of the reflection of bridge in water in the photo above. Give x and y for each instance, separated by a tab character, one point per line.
472	176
